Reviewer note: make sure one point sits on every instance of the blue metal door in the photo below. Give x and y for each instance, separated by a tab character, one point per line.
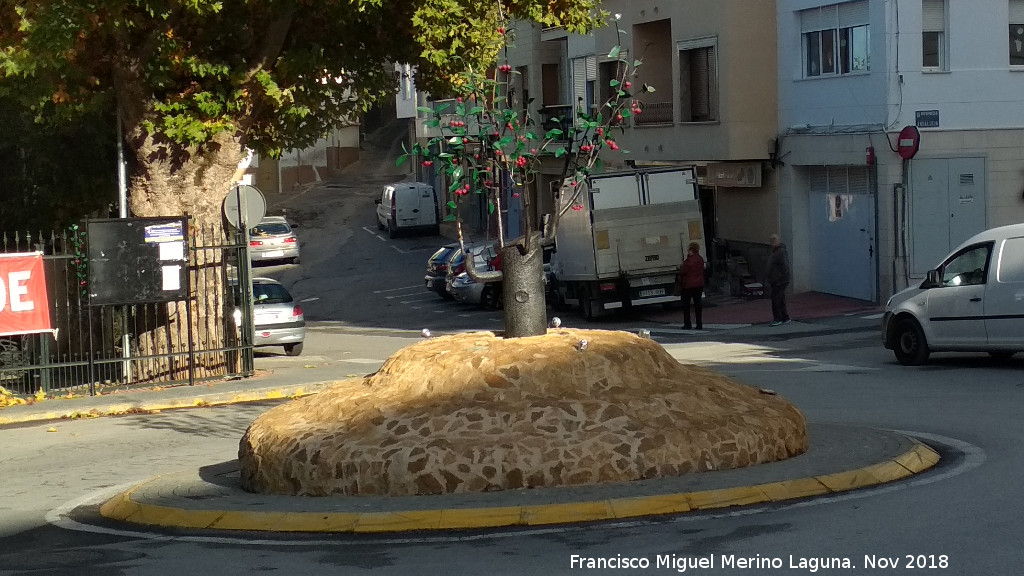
842	246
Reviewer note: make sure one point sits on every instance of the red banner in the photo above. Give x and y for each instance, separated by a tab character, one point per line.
23	304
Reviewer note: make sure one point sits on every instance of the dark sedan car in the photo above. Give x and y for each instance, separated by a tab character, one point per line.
437	269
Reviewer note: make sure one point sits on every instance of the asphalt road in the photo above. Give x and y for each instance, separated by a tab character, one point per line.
964	514
960	518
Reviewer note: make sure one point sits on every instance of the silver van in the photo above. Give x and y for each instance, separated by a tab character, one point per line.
972	302
408	206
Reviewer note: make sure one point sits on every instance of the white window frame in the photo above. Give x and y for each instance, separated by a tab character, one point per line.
713	92
1016	28
934	29
830	31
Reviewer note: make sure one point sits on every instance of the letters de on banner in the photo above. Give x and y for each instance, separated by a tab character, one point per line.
24	308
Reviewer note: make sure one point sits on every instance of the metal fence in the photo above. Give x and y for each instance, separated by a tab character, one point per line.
97	348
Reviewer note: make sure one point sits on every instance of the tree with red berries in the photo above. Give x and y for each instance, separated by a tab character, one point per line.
487	146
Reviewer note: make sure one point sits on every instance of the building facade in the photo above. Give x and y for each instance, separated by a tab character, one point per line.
901	128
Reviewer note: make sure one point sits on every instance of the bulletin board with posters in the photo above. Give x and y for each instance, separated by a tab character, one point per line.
137	260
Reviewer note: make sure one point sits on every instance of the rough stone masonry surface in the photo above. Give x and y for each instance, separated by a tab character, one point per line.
477	412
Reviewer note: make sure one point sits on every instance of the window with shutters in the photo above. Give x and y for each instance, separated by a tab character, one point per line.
1016	32
584	82
698	80
933	35
836	39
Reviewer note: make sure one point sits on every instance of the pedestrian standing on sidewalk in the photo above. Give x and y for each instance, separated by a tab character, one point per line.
691	285
778	279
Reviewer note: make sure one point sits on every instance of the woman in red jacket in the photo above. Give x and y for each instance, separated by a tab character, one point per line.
691	285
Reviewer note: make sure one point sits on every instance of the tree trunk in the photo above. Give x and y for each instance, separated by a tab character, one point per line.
523	290
169	180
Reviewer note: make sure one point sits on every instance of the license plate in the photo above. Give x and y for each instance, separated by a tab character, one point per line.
653	292
273	254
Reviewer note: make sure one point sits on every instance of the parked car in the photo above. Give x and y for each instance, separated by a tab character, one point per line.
437	269
483	253
277	318
970	302
407	206
273	239
486	294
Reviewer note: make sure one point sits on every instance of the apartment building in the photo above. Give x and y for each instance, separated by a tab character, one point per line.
712	64
901	129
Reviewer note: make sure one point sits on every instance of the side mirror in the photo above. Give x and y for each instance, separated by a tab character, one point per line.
931	280
295	225
376	200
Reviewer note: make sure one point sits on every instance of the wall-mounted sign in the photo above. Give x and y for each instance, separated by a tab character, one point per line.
926	118
734	174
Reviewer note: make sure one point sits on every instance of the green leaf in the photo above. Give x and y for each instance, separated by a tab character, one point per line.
615	52
560	152
449	218
401	159
490	207
454	186
451	204
613	83
455	140
648	88
552	133
637	63
457	173
425	109
433	123
598	164
476	110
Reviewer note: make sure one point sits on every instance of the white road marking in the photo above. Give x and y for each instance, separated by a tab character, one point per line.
418	286
361	360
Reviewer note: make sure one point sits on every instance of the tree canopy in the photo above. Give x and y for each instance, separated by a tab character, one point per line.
272	74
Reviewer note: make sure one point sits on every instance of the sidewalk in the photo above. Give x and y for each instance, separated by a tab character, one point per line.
803	307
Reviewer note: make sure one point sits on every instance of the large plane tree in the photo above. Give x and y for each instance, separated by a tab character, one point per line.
196	82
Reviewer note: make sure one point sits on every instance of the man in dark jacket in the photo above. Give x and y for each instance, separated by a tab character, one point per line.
778	276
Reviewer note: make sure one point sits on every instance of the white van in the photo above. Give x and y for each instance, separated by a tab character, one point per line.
408	206
972	302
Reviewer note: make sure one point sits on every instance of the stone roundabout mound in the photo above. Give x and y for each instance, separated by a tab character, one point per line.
476	412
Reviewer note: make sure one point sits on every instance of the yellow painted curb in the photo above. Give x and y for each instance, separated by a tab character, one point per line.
122	507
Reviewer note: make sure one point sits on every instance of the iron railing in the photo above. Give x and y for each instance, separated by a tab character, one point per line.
655	113
93	348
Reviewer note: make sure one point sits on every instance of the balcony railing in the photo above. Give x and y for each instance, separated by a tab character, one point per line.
654	113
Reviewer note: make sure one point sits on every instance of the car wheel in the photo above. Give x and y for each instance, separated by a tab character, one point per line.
910	347
293	349
391	231
380	226
491	298
1001	354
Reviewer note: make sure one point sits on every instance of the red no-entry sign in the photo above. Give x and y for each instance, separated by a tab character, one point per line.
23	305
909	142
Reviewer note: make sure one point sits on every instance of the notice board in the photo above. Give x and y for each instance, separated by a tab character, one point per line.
137	260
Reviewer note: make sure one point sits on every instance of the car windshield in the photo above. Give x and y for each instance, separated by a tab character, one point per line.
270	294
270	229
